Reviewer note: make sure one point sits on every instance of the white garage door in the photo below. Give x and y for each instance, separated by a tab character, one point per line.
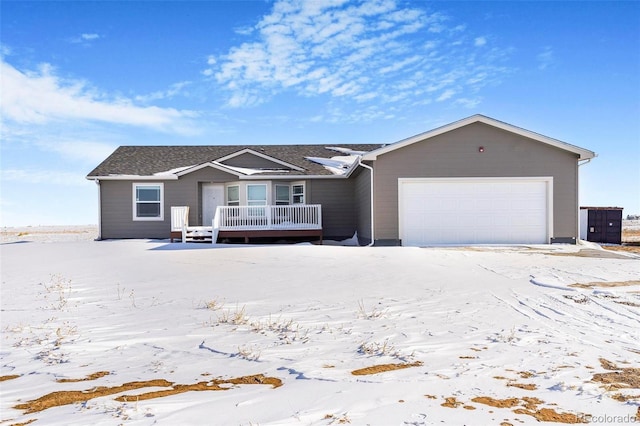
474	211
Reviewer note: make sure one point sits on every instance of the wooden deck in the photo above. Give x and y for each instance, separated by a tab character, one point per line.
272	233
247	222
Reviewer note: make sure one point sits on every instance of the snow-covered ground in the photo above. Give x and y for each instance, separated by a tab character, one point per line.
272	335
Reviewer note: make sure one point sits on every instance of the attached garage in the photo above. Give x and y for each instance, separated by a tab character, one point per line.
474	210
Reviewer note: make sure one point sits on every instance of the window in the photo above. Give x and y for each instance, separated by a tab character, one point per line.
148	203
233	195
257	195
298	193
283	197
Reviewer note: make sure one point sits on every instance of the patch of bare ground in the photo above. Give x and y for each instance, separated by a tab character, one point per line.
529	407
381	368
630	234
58	398
498	403
451	402
624	398
525	386
24	423
9	377
550	415
90	377
606	284
589	252
629	248
617	377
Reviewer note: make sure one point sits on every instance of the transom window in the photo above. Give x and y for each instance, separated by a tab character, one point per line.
148	203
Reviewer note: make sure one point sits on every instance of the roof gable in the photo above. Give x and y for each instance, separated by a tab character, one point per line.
243	158
170	162
583	154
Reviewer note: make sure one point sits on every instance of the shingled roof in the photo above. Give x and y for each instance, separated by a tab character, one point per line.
150	160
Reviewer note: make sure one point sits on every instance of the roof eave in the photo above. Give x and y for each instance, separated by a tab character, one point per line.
583	154
133	177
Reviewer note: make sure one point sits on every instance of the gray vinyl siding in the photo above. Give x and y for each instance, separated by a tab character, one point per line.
455	154
251	161
339	208
362	194
117	204
339	219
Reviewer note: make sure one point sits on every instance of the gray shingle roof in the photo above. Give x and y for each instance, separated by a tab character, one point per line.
147	160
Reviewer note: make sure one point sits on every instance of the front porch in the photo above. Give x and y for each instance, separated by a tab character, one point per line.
246	222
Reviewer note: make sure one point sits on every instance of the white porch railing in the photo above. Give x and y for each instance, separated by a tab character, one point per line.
252	218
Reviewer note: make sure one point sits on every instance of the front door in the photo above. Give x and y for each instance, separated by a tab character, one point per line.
212	197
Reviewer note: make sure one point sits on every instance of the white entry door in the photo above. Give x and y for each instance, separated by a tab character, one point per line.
475	211
212	197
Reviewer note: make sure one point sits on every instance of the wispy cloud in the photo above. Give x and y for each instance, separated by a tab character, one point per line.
84	38
545	58
364	51
480	41
173	90
39	97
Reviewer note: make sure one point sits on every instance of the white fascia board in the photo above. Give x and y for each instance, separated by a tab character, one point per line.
292	177
209	164
261	155
583	154
133	177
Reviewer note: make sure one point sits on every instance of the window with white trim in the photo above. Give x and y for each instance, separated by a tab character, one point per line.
298	193
148	201
257	195
283	195
233	195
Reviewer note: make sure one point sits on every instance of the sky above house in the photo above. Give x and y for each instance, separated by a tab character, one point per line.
82	78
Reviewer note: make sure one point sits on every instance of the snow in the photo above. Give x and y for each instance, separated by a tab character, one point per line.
472	319
338	165
173	171
347	151
248	171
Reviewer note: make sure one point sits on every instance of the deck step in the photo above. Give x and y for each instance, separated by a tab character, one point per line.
199	235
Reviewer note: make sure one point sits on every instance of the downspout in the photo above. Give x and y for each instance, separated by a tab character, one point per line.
360	163
99	211
585	161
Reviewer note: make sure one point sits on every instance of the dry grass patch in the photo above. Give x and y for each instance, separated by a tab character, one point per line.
617	377
498	403
9	377
56	399
625	248
451	402
529	406
525	386
624	398
24	423
381	368
550	415
588	252
606	284
90	377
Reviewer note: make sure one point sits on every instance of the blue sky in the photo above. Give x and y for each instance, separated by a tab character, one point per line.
81	78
